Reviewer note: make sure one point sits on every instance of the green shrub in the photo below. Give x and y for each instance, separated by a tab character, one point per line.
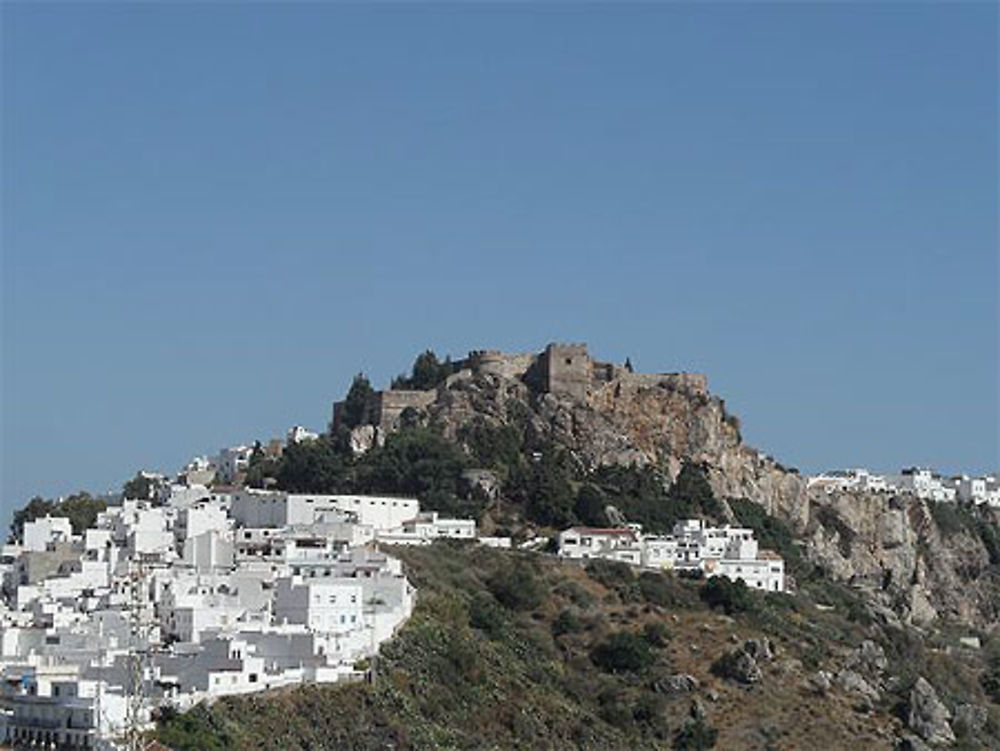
517	587
567	622
612	574
664	590
656	634
695	735
486	615
732	596
622	651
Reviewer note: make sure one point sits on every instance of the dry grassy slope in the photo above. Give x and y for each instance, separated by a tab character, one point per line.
471	672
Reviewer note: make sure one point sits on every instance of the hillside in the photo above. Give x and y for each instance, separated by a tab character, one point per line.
558	441
509	650
505	649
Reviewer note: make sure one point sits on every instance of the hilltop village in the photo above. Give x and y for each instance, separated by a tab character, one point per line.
203	587
221	580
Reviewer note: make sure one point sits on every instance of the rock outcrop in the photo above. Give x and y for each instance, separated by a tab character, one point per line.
928	716
889	546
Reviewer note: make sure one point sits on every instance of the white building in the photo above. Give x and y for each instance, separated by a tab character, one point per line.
42	532
259	508
231	463
299	434
692	545
426	527
324	605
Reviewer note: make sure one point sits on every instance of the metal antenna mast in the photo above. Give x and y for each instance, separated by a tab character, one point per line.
138	658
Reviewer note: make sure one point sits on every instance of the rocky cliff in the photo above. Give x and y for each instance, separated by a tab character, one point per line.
890	546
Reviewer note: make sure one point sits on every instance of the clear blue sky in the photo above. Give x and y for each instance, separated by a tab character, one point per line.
215	214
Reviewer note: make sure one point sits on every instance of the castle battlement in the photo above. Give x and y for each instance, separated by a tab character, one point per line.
561	368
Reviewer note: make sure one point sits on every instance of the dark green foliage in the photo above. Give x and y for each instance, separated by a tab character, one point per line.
193	731
486	615
612	574
732	596
567	622
427	373
695	735
622	651
353	412
545	487
991	683
990	679
139	488
656	634
641	494
665	590
496	447
990	535
589	506
36	508
261	468
80	508
320	466
771	533
412	462
692	484
517	586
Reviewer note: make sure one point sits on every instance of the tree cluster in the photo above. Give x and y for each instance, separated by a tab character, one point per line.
427	373
80	508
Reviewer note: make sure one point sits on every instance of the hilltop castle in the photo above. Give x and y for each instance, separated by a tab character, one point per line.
563	369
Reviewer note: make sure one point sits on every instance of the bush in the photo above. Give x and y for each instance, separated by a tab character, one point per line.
656	634
567	622
732	596
622	652
589	506
486	615
663	590
612	574
695	735
517	587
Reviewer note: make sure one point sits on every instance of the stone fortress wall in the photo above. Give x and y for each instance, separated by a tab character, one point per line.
564	369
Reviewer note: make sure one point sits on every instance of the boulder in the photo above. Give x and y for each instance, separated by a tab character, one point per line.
854	683
821	681
759	649
679	683
970	717
739	666
928	716
869	658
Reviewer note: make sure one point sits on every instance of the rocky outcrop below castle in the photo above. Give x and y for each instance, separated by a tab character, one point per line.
892	547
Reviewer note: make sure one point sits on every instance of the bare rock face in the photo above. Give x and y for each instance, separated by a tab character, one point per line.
364	438
928	717
854	683
892	548
889	547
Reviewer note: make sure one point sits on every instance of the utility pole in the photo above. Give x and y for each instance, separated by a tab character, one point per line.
138	658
